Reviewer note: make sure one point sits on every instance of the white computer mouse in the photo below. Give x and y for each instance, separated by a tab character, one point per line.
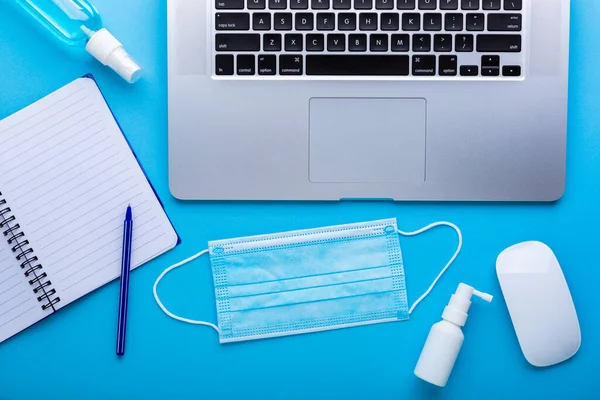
539	302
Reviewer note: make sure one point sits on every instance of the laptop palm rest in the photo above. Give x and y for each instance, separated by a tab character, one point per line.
367	140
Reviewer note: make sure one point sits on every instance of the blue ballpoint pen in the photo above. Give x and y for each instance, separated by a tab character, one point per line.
125	269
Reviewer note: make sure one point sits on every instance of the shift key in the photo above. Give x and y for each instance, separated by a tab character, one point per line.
237	42
499	43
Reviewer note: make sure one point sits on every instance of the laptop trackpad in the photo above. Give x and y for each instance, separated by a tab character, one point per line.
354	140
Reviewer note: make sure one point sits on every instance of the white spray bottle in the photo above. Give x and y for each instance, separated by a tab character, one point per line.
446	337
78	25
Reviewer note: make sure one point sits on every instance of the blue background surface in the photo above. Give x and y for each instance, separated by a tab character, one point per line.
72	355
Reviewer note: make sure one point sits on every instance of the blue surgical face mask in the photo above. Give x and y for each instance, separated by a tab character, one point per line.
308	281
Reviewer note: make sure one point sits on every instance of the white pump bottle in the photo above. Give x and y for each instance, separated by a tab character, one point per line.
446	338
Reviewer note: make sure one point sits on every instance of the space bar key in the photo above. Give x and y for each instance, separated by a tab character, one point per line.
357	65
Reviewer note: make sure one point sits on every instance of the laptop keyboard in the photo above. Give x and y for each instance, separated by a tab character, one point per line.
381	39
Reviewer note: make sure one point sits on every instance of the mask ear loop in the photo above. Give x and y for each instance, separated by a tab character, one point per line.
458	248
160	304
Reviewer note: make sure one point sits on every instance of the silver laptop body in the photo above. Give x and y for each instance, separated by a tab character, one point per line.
368	99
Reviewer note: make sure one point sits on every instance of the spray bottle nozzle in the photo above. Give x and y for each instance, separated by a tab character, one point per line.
483	296
460	302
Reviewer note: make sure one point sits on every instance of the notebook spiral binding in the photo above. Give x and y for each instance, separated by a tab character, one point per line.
29	263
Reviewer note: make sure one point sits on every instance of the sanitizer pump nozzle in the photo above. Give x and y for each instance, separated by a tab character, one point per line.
446	337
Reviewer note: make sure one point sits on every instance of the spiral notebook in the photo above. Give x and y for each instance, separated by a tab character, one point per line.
67	175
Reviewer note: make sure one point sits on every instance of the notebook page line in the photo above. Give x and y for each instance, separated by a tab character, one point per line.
77	216
76	230
58	185
43	109
9	288
55	206
17	316
89	252
47	129
67	190
112	213
33	167
6	311
78	101
6	279
115	262
111	232
38	146
51	169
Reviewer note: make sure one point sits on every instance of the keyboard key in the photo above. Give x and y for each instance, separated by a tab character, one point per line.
464	43
261	21
511	70
256	4
245	64
469	70
341	4
448	66
229	5
423	65
504	22
336	42
346	22
442	43
304	22
475	22
237	42
384	4
378	42
406	4
232	21
400	42
499	43
290	64
325	21
363	4
267	65
469	4
390	22
448	4
293	42
357	65
513	4
224	64
454	22
282	21
427	4
491	4
320	4
299	4
421	43
357	42
272	42
277	4
432	22
490	71
411	22
315	42
490	61
367	22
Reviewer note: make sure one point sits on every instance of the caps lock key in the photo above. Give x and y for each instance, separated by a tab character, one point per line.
232	21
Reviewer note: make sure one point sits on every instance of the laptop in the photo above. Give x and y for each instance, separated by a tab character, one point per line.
433	100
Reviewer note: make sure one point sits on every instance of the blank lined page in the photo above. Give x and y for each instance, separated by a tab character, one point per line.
68	175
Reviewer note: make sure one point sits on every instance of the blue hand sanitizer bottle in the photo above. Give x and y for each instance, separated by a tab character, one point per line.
78	23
